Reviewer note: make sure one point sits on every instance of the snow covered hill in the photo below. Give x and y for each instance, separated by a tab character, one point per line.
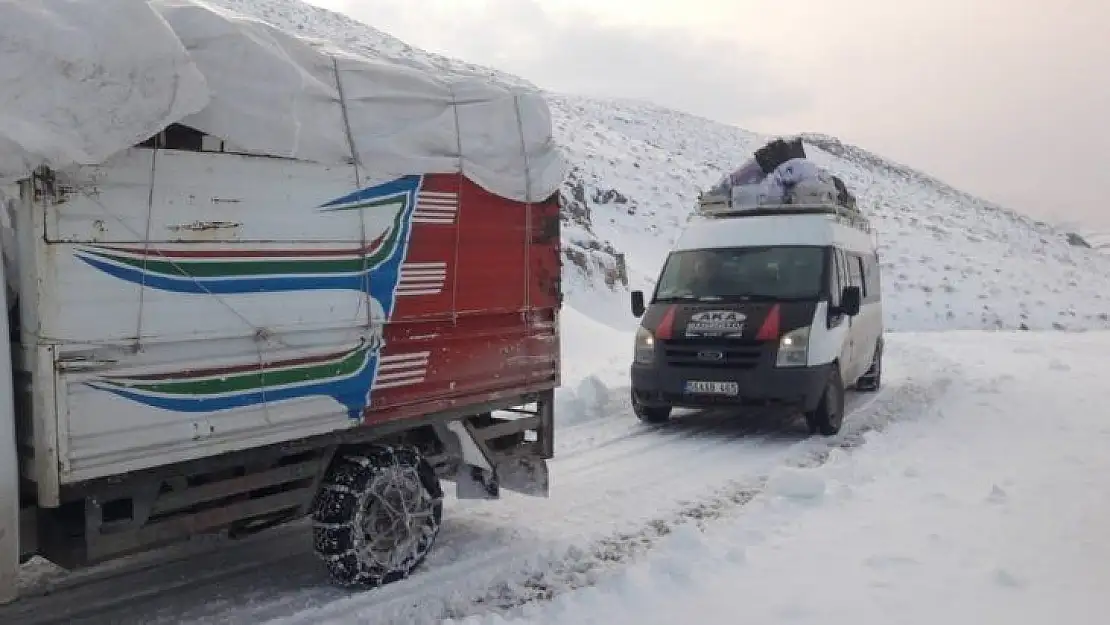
1098	240
951	260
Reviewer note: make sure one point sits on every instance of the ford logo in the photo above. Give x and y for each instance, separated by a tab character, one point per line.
708	355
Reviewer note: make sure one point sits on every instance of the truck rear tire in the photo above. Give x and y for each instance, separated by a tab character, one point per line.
376	515
829	415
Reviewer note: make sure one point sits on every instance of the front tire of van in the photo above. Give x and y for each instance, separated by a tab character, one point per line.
376	515
650	414
827	418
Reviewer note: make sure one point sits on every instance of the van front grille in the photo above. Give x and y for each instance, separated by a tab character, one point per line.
713	354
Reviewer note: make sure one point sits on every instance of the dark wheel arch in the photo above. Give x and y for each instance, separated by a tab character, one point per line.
872	379
828	417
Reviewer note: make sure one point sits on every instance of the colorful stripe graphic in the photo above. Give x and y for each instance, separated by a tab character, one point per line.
373	269
347	376
344	376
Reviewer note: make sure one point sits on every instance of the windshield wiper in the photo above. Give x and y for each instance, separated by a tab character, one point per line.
769	297
688	298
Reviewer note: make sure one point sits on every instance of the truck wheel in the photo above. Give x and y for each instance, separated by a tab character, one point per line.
650	414
829	415
376	515
870	381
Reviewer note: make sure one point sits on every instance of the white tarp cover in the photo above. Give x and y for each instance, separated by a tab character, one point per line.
83	79
79	81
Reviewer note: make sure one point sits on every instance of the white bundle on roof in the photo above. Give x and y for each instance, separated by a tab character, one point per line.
779	174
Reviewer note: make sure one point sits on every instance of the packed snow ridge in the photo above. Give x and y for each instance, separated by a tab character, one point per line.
950	260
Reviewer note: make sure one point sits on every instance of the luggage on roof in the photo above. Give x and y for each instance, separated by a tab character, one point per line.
779	175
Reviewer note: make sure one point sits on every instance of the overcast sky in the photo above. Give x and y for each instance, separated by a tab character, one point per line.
1009	99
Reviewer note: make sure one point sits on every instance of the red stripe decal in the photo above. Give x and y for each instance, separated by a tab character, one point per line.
665	329
770	329
240	253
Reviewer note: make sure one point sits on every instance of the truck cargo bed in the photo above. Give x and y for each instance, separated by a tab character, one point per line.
179	304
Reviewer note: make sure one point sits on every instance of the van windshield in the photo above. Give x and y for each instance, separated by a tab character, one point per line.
782	272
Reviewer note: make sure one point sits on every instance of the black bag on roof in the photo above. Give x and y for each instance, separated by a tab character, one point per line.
778	152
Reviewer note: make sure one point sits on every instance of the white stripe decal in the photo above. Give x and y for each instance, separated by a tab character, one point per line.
400	375
422	279
398	370
398	383
402	366
415	356
422	273
436	208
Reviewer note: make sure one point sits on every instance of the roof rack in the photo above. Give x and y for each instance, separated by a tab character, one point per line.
718	207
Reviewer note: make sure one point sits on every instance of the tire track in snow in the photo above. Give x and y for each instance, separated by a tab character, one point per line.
544	577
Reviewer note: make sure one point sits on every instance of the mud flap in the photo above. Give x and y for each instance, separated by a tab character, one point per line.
527	476
483	471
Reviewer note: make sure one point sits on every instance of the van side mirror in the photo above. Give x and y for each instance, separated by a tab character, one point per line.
851	300
638	307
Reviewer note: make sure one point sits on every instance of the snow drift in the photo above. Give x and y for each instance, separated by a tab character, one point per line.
129	68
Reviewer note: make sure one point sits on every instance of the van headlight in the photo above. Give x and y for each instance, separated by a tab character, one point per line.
645	346
793	348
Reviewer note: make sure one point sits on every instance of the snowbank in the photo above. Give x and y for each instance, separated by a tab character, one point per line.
991	508
595	361
129	68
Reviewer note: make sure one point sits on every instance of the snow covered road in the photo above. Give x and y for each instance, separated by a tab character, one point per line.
991	506
618	488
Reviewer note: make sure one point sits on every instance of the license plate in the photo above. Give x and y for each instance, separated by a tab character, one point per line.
712	388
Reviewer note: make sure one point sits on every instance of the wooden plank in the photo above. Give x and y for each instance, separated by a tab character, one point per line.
225	488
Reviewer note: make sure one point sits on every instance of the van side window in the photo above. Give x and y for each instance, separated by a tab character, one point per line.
836	281
874	283
858	265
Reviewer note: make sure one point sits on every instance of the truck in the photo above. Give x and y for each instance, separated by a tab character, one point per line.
299	283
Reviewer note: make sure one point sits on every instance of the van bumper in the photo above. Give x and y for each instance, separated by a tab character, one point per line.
791	388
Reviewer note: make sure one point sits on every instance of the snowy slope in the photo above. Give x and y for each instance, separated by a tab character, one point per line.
1099	240
951	261
316	23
